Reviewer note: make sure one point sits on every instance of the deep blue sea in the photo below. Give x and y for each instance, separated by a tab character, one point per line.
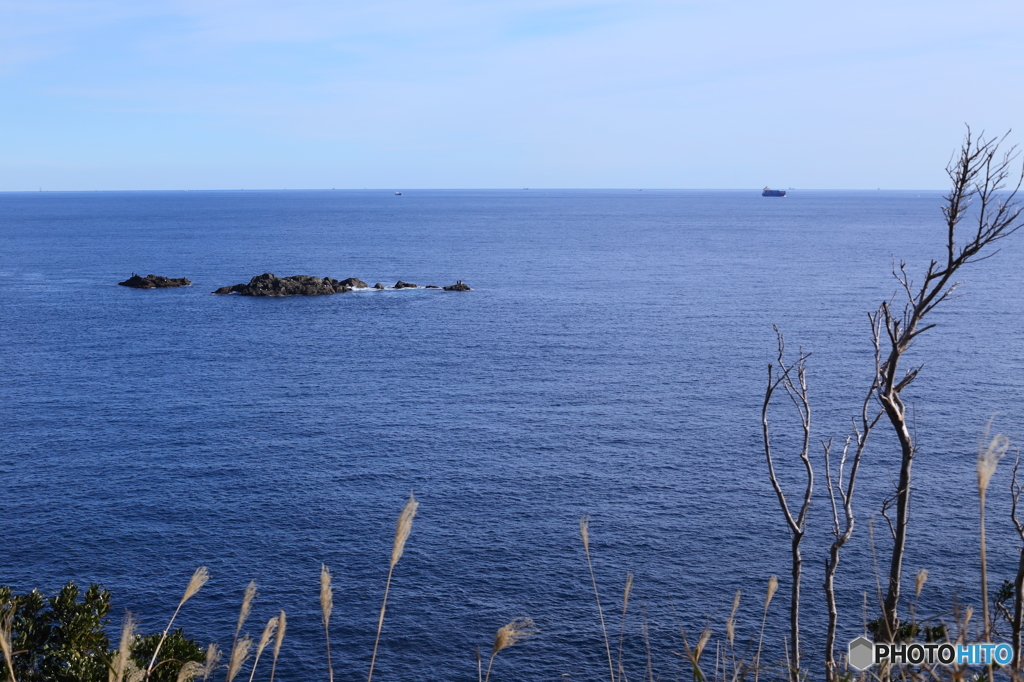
610	361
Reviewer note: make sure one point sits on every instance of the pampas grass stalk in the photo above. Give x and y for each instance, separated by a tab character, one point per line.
5	641
647	646
585	534
326	606
268	632
124	650
730	625
988	460
243	613
240	647
282	623
212	660
402	531
622	626
239	654
919	580
199	579
507	636
479	665
133	673
773	585
694	654
189	671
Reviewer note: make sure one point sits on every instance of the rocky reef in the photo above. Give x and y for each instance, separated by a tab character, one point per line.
154	282
269	284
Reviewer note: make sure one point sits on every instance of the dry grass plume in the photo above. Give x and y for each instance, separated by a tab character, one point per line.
124	650
773	585
196	583
282	624
402	531
239	654
988	460
585	535
509	635
5	640
268	634
212	660
622	627
326	607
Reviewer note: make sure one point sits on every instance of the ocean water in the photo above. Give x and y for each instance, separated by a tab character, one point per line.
610	361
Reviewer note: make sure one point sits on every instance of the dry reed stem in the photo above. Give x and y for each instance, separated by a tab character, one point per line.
509	635
402	531
195	584
239	654
282	624
622	628
124	650
326	607
585	534
773	585
479	665
212	660
5	641
268	633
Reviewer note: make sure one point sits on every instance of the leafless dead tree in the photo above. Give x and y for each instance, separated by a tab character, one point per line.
842	531
793	380
979	176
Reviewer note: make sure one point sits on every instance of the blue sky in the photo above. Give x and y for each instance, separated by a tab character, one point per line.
219	94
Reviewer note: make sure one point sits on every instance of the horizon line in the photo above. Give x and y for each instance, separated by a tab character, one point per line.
477	189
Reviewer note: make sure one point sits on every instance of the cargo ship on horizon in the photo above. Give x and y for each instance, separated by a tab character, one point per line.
768	192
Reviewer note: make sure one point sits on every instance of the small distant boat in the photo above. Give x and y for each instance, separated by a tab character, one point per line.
398	194
768	192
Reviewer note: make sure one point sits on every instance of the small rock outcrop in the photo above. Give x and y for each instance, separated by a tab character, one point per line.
269	284
378	285
431	286
154	282
458	286
354	282
404	285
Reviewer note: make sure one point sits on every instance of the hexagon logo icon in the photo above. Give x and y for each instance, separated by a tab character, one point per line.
861	655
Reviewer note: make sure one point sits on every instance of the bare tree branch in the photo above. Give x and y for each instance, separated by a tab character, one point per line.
980	175
862	427
792	377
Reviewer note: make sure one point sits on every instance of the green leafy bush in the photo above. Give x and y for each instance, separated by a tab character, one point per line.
63	638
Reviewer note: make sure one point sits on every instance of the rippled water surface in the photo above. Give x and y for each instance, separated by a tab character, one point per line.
610	361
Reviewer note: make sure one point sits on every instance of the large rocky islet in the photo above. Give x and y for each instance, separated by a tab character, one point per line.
269	284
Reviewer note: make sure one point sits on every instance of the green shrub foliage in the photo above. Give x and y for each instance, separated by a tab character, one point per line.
64	638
